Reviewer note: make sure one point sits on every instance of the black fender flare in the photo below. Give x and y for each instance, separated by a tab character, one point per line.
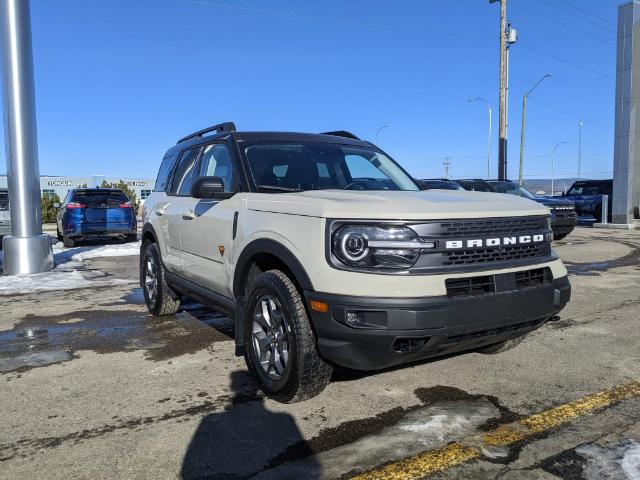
148	228
271	247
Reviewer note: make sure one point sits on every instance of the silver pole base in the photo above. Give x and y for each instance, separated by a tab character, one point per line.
27	254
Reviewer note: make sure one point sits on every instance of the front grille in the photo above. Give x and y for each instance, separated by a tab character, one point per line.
470	286
495	226
502	282
493	255
533	278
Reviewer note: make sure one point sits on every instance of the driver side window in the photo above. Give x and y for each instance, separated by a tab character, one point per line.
216	162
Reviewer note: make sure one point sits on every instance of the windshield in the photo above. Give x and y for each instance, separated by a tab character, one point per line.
584	189
96	197
4	200
300	166
511	189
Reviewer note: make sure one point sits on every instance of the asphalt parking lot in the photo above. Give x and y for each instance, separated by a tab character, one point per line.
93	387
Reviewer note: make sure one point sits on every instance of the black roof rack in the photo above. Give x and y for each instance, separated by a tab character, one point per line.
341	133
219	128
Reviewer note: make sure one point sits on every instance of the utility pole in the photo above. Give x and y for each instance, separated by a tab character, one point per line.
502	122
447	166
524	122
26	250
579	148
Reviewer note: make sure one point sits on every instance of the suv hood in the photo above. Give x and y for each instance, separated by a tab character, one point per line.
395	205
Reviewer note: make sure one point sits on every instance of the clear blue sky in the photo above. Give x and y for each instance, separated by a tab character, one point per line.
119	81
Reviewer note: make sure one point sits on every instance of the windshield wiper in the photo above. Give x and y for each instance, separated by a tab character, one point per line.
280	189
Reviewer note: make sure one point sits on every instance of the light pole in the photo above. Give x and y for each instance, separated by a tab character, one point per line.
553	158
579	148
482	99
26	250
524	122
378	132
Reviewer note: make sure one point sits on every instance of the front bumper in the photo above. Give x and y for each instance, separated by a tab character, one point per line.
563	224
401	330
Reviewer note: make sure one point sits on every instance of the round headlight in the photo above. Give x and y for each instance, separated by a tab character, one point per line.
377	246
354	246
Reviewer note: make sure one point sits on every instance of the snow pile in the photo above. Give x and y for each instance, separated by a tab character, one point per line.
422	429
71	272
613	462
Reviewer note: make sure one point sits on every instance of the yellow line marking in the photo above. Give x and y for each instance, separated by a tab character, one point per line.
455	453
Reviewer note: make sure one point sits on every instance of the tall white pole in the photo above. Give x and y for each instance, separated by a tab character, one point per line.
553	172
27	250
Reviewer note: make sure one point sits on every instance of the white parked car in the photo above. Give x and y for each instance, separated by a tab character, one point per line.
326	252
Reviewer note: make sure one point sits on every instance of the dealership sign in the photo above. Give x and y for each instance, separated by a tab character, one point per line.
60	183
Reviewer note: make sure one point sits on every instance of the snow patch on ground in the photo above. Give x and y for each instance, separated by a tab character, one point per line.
423	429
619	461
70	272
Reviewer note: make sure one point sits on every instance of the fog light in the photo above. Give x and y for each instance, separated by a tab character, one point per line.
353	318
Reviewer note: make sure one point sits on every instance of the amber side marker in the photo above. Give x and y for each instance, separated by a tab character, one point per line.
443	458
321	307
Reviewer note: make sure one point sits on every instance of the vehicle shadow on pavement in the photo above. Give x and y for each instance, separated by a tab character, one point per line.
243	440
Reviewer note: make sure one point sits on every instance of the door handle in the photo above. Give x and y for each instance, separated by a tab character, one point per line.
188	215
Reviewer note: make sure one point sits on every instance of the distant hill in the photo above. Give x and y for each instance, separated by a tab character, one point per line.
543	185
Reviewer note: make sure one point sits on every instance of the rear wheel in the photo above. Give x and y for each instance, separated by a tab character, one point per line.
59	235
280	344
68	241
502	346
157	294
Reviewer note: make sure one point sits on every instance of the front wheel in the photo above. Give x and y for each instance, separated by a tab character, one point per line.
280	344
157	294
559	236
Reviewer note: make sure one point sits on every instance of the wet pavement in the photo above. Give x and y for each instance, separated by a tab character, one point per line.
93	386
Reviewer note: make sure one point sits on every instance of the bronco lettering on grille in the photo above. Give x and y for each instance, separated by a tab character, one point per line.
493	242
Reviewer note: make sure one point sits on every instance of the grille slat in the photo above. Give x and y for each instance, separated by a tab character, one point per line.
499	226
492	255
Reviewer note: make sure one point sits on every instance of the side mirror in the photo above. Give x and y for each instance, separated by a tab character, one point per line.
207	187
56	205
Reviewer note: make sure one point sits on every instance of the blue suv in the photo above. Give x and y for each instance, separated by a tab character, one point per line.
587	195
96	213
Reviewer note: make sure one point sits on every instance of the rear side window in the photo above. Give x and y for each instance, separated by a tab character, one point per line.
98	198
162	182
185	173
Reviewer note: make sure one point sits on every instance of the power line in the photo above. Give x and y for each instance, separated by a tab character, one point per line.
568	4
578	117
565	62
566	25
244	6
578	16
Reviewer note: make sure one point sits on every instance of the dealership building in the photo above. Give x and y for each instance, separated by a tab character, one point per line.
61	185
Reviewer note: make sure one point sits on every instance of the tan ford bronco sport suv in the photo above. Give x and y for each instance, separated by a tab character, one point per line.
325	252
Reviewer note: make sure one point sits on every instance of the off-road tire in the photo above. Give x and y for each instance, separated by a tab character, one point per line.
164	303
68	241
559	236
502	346
58	234
306	374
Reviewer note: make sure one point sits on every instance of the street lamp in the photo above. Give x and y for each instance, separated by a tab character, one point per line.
524	121
553	170
378	132
481	99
